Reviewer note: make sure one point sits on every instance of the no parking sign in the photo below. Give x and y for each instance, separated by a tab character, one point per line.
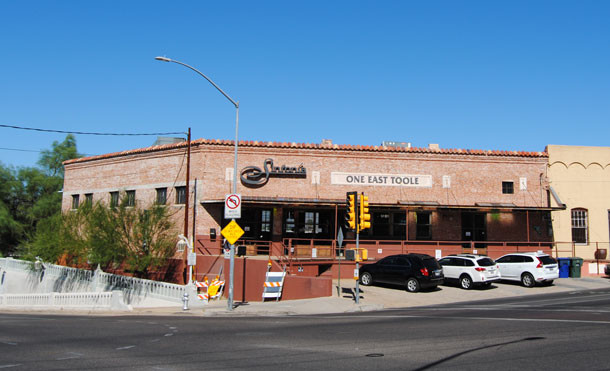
233	206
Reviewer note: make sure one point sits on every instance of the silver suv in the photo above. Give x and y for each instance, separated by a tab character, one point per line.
470	270
529	268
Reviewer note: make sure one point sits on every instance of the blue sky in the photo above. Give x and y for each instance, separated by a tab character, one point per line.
501	75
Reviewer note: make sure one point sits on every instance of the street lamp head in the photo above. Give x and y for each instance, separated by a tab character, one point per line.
163	59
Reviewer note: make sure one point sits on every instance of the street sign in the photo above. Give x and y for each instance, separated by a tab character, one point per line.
232	232
233	206
192	259
340	238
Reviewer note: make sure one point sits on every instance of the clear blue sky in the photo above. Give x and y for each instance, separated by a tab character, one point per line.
503	75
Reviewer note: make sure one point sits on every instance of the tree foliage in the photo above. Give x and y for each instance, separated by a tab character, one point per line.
30	195
139	238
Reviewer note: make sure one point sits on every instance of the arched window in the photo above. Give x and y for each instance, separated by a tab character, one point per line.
580	226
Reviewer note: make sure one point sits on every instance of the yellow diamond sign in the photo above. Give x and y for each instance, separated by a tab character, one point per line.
232	232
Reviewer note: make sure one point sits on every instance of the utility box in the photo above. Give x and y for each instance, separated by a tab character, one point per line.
356	254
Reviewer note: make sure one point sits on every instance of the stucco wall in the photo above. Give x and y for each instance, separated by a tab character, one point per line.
581	177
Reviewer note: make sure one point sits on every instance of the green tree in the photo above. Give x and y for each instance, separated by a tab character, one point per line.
29	196
52	160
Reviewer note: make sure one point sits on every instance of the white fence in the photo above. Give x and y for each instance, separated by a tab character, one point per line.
91	300
59	285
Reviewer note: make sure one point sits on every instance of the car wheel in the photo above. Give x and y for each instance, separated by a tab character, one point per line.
366	279
527	280
412	285
466	282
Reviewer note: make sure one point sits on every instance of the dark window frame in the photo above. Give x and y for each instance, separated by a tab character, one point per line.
75	201
423	228
161	197
181	195
580	225
508	187
130	198
114	199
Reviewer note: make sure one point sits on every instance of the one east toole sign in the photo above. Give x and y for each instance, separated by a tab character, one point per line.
375	179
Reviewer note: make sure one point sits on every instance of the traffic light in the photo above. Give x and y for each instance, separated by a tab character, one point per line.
351	215
365	216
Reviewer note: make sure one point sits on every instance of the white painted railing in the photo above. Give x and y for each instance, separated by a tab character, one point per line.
92	300
39	279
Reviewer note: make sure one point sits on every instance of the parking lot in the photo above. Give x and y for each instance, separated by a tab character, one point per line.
396	297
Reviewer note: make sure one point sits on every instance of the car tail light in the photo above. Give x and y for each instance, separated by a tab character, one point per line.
539	263
424	272
479	269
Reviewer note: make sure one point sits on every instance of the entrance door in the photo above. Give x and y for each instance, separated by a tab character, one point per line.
474	228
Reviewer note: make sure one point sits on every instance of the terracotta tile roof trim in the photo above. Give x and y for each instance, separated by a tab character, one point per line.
338	147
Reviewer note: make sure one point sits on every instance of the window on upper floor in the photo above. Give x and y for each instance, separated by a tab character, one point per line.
131	198
75	201
181	195
580	226
114	199
508	187
161	196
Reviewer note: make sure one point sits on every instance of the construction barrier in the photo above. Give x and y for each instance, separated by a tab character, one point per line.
274	282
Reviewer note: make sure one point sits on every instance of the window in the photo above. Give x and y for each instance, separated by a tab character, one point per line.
508	187
265	220
114	199
181	195
580	226
89	198
423	226
131	198
161	196
75	202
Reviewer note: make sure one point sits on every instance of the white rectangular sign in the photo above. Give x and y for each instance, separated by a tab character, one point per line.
233	206
391	180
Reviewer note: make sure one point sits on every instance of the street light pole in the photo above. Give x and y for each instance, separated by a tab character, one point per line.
234	188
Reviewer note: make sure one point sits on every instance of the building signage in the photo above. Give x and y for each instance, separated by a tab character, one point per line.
396	180
257	177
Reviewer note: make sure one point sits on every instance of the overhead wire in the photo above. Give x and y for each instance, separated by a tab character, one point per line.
87	133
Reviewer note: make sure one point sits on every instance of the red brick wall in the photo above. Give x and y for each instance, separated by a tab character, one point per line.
474	178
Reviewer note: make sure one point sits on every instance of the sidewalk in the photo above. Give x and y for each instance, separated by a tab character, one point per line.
377	298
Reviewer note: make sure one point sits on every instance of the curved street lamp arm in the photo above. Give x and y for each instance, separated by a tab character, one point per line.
236	104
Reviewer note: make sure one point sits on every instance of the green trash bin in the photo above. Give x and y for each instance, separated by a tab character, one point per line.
575	267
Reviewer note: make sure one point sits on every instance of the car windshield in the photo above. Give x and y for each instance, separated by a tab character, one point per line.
431	263
486	262
546	260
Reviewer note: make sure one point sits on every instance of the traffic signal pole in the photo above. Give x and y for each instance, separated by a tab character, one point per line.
357	266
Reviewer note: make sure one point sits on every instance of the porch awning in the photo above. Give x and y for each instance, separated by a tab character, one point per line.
295	201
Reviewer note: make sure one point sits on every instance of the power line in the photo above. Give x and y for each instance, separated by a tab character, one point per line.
32	150
20	150
87	133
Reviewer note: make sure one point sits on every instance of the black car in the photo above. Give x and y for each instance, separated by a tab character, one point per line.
415	271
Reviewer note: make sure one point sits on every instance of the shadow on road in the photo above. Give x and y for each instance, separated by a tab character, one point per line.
440	361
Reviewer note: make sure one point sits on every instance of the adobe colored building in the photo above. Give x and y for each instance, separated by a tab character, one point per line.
581	176
431	200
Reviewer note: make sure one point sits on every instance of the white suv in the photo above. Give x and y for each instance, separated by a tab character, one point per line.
529	268
470	270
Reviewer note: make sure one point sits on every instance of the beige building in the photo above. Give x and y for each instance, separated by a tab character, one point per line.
580	176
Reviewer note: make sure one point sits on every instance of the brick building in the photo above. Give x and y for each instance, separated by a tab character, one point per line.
293	195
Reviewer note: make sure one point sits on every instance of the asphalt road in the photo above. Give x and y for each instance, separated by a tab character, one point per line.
564	331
